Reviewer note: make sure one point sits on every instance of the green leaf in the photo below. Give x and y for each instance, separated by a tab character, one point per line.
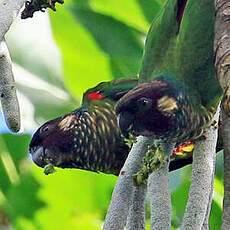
180	196
128	11
215	217
113	37
18	150
95	47
75	199
219	171
4	178
22	198
18	187
150	8
85	64
120	42
14	149
140	12
218	192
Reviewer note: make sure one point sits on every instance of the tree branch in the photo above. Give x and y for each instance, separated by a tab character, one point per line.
207	215
136	217
123	192
9	101
226	203
222	49
8	12
202	170
222	65
8	95
159	195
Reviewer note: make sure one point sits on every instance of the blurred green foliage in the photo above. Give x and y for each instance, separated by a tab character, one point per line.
99	40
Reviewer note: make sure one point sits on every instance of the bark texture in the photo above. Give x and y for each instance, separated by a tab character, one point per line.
8	12
222	49
10	106
136	217
222	65
159	195
124	190
202	173
207	215
9	100
226	203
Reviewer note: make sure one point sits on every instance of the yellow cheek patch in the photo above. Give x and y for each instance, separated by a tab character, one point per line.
167	104
65	124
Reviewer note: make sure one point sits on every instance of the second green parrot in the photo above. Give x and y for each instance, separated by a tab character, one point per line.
178	92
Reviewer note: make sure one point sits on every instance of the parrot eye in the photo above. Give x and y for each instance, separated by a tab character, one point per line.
44	131
144	103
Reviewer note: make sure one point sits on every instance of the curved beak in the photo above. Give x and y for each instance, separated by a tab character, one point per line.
125	122
38	156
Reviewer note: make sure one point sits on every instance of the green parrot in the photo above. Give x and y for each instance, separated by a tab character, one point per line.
89	138
178	92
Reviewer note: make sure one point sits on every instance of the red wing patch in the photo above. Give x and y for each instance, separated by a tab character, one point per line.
94	96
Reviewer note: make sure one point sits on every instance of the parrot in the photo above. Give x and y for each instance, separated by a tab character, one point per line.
88	138
177	93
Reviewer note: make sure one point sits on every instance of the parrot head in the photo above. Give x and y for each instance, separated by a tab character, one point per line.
54	140
149	109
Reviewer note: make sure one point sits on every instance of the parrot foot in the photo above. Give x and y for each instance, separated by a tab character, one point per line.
155	159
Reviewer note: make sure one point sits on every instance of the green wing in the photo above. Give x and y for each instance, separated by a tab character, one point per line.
180	45
112	90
